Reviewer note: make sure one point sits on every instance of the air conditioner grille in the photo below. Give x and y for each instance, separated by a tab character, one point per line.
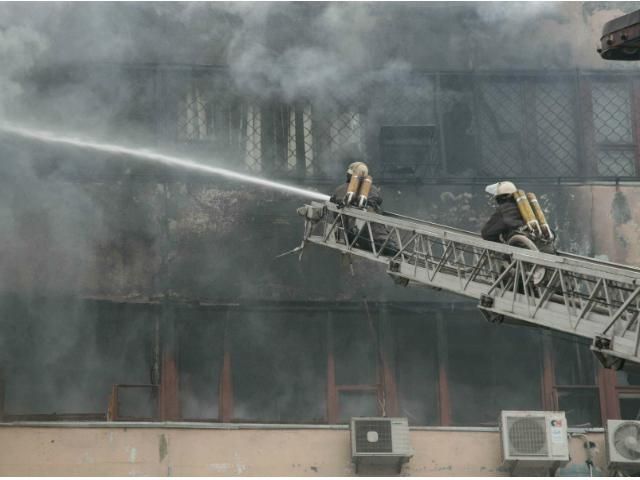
527	436
625	440
381	439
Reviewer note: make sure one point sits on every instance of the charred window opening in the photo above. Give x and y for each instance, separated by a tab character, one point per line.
355	349
491	368
278	362
200	354
417	367
63	357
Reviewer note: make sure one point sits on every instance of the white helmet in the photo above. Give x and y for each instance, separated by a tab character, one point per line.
358	168
501	188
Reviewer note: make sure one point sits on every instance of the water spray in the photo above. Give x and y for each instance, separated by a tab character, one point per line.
150	155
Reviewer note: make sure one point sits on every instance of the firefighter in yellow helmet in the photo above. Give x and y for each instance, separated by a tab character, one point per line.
374	204
507	218
361	170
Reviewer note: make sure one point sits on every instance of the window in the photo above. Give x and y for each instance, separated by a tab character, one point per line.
278	366
491	367
613	128
628	393
200	354
355	348
417	367
575	387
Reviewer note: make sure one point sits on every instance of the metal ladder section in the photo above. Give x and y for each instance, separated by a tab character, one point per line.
569	293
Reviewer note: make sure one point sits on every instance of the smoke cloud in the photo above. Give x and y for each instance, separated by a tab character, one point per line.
122	232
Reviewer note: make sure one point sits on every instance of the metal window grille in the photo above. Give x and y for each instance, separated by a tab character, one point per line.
527	128
520	125
300	141
613	128
192	115
253	138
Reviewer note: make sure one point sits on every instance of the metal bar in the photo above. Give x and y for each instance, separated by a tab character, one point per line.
547	293
589	301
621	310
502	275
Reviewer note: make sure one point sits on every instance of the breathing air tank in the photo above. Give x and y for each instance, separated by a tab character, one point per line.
542	220
363	193
352	189
526	212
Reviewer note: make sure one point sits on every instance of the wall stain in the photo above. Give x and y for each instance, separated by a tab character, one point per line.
162	447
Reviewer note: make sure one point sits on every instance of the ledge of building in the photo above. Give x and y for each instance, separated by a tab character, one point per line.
243	426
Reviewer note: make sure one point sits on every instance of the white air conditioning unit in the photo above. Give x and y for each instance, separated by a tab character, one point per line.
534	442
623	445
380	441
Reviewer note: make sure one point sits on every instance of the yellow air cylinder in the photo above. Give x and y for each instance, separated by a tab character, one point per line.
352	189
537	210
365	188
527	213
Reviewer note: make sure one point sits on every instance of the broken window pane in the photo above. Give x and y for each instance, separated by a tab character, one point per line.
278	363
417	367
490	368
200	354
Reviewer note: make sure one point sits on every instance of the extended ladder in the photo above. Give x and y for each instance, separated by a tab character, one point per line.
579	295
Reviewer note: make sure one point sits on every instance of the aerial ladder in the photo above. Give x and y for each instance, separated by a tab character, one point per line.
579	295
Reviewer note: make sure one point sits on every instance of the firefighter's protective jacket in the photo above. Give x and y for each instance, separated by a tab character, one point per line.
503	222
374	204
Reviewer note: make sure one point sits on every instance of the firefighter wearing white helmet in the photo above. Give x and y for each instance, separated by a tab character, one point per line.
507	218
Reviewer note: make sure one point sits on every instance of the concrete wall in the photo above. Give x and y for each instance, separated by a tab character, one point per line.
177	451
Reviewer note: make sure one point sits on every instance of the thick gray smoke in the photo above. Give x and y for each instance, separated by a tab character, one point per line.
65	66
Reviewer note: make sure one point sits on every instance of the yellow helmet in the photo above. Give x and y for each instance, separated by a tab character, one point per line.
358	168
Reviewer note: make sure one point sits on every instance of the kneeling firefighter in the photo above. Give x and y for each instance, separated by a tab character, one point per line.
359	191
516	213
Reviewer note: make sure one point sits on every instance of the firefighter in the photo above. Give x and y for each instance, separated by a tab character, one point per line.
507	218
374	204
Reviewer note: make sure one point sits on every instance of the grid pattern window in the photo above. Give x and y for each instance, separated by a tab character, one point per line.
300	141
526	127
338	137
613	128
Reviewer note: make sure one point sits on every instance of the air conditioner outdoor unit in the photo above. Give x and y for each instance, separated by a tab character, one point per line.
623	446
534	442
380	441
